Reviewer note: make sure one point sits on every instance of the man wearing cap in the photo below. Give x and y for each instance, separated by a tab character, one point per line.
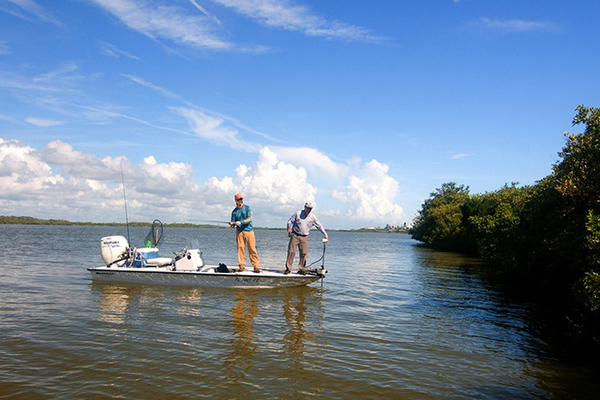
298	227
241	219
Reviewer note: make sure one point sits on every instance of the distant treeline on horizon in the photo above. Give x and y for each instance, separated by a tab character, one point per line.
14	220
22	220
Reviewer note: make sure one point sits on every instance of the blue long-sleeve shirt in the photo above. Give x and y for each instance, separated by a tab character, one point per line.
244	215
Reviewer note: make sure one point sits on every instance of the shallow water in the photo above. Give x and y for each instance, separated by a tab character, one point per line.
393	320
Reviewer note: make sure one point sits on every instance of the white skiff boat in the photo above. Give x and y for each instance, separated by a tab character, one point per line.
187	268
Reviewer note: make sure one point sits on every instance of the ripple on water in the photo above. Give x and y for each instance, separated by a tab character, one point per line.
394	320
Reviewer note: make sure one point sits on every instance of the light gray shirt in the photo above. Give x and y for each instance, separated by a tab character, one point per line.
300	223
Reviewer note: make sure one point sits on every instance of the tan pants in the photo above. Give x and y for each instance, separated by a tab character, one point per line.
302	243
246	238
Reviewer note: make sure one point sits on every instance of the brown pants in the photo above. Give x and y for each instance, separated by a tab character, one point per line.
246	238
302	243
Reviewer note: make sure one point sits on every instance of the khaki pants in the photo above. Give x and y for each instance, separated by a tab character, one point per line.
302	243
246	238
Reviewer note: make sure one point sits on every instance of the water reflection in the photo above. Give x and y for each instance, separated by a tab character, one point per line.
241	358
294	309
116	300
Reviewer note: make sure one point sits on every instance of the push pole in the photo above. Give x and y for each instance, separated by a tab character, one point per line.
323	262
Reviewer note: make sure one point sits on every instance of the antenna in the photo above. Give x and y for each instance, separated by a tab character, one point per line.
125	200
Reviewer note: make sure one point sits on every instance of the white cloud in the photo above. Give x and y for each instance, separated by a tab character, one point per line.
216	130
4	49
283	14
313	160
60	182
270	182
113	51
458	156
167	22
44	123
26	9
370	195
513	25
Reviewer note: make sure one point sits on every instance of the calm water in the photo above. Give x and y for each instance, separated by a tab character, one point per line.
393	320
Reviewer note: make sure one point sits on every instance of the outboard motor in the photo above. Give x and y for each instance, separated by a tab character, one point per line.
114	250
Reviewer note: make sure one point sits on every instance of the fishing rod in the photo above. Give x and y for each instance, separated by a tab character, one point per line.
211	221
125	200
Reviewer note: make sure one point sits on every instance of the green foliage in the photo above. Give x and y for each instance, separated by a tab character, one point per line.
592	239
587	290
496	229
546	236
578	174
439	223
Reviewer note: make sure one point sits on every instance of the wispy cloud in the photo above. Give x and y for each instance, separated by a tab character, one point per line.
512	25
283	14
458	156
205	12
28	10
4	49
216	130
168	94
113	51
43	123
172	23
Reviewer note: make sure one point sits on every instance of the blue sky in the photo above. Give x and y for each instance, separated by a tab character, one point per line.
364	107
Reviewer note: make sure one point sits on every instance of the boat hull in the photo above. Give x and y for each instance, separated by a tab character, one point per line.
163	276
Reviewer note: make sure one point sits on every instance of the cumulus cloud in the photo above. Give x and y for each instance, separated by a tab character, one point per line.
58	181
270	182
313	160
370	195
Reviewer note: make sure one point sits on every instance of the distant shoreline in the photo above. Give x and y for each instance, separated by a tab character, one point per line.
22	220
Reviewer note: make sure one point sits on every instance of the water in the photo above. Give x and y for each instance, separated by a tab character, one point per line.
394	320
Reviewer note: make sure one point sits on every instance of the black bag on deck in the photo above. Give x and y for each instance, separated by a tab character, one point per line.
222	268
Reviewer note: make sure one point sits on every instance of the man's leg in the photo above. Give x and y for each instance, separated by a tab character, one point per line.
303	246
241	250
291	252
251	239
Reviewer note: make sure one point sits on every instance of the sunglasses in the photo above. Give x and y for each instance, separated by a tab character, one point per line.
240	199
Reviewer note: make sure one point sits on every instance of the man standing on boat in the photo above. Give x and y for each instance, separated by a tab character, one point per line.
241	219
298	227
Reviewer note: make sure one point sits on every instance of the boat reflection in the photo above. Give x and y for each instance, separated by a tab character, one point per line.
115	300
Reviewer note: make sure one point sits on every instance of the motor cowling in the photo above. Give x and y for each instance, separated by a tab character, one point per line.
191	261
114	248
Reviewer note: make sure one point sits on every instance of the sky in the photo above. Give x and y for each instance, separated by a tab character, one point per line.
364	107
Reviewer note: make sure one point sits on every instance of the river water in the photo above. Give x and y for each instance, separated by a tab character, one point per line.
393	320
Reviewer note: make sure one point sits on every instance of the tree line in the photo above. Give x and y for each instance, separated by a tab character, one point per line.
23	220
544	237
